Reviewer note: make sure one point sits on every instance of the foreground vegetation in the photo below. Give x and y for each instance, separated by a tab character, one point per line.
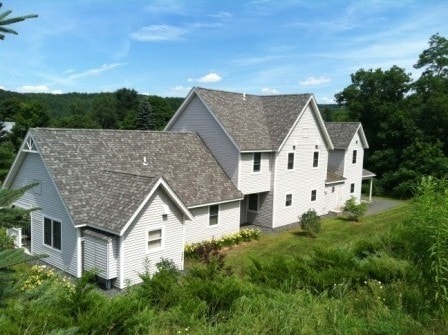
383	275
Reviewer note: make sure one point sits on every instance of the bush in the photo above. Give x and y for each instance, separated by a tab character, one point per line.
355	211
6	242
310	222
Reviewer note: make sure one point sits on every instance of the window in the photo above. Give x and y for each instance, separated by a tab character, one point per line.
213	215
253	202
290	161
316	159
257	161
52	233
288	201
355	153
352	188
313	195
155	239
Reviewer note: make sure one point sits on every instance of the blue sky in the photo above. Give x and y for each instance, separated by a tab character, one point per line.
165	47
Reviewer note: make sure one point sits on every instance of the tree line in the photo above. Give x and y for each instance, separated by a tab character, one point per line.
405	120
122	109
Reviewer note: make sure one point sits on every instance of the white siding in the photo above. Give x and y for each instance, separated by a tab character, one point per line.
353	172
197	118
135	253
47	199
333	196
304	177
199	230
101	254
264	215
255	182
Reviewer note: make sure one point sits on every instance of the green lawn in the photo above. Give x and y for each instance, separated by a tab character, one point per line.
335	232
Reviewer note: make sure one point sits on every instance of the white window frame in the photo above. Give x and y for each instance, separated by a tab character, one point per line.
217	216
293	161
258	202
52	220
315	195
290	200
314	159
352	188
253	162
162	239
354	156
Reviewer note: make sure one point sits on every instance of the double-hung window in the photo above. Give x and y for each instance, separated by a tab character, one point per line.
52	233
316	159
257	162
352	188
354	157
213	213
288	201
291	161
313	195
155	239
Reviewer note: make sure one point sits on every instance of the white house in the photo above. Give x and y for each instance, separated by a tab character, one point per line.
117	201
120	201
278	152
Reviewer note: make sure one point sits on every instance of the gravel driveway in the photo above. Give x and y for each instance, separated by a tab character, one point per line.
379	205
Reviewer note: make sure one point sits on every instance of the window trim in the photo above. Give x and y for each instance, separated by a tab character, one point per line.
288	163
258	203
52	235
354	156
313	194
315	159
256	168
290	200
352	188
214	215
162	239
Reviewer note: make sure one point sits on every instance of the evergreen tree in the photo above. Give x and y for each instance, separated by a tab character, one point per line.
145	120
4	21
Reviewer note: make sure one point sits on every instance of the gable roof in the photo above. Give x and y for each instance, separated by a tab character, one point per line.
254	122
103	176
342	133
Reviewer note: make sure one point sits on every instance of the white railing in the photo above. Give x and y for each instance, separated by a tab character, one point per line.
16	234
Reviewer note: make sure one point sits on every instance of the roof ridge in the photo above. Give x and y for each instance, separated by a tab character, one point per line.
130	173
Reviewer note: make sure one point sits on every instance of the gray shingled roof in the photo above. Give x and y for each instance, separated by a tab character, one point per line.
255	122
102	179
341	133
333	177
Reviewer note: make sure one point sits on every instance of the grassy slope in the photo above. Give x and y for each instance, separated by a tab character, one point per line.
335	232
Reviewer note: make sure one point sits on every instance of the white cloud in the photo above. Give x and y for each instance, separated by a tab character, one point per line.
95	71
37	89
157	33
2	88
211	77
180	90
315	81
267	90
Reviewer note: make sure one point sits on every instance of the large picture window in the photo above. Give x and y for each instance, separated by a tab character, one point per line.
213	215
257	161
52	233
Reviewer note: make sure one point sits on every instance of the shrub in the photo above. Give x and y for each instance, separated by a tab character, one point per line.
6	242
310	222
353	210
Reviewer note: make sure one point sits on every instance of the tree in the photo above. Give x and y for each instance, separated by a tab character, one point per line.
4	21
104	111
127	105
12	216
435	58
145	116
161	110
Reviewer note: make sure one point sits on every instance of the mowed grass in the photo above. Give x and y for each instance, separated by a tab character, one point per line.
336	232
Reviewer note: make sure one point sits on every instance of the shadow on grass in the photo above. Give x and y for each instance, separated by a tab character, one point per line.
302	233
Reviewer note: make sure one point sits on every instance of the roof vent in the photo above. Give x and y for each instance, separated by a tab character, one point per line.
244	96
145	163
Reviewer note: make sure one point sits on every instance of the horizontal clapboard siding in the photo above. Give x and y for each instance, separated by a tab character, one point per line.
336	160
100	254
304	177
255	182
353	172
199	229
47	199
136	257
